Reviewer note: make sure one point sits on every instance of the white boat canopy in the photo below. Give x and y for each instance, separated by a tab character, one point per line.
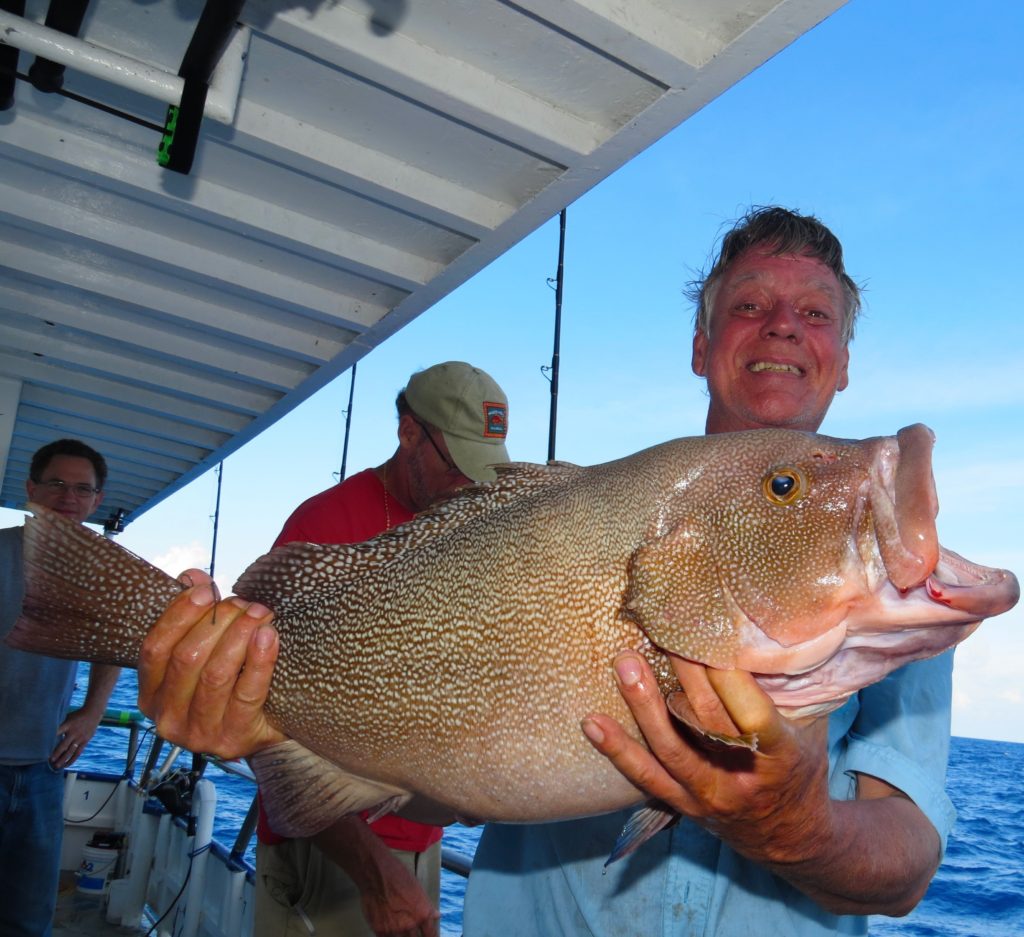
355	162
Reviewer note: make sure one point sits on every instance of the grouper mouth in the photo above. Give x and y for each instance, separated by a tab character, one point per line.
920	600
896	627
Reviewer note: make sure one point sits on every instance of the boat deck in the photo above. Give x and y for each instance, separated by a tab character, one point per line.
80	915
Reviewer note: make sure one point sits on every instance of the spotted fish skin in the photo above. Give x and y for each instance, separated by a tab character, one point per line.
444	666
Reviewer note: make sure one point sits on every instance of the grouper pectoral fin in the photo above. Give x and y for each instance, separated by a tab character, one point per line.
303	793
639	828
679	705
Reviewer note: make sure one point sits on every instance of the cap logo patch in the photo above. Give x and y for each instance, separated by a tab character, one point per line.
495	420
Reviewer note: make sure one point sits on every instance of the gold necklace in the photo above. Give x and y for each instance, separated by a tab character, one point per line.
384	485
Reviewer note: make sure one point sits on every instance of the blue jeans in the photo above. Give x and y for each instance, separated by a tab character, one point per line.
31	828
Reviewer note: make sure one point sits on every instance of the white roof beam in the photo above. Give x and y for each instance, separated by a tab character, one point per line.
339	36
78	222
186	346
66	424
210	414
376	175
318	343
193	384
45	399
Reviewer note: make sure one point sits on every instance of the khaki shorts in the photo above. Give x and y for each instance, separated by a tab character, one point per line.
299	891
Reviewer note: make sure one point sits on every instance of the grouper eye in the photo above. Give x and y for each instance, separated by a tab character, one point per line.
784	485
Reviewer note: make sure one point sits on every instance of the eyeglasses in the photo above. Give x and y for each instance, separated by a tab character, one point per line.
58	487
451	466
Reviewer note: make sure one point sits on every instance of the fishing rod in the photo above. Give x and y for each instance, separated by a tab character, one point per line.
555	355
348	424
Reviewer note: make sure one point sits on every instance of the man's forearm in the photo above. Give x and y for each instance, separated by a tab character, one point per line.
102	680
393	900
880	858
359	851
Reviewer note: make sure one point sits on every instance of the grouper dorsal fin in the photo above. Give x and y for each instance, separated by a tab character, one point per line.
517	481
271	579
303	793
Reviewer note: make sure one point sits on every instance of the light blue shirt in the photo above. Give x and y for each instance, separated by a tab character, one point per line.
35	691
549	880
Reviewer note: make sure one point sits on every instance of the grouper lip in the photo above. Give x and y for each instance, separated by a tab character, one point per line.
958	592
894	628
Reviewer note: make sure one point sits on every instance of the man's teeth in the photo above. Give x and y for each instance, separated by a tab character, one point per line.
772	366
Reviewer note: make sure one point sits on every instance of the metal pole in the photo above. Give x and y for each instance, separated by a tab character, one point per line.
558	331
348	424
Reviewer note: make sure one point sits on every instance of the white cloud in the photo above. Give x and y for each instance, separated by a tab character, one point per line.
195	555
182	556
987	698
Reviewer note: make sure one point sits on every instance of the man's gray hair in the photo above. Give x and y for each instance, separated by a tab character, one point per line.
779	231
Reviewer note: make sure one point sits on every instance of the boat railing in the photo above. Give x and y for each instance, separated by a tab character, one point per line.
153	773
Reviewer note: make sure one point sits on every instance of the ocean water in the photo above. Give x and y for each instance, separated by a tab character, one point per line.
978	891
979	888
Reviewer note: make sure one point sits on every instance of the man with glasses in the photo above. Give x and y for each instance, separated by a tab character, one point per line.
384	877
39	738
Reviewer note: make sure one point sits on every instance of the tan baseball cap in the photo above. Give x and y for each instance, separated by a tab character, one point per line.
469	408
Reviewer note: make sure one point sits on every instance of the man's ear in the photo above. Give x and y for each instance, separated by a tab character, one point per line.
408	432
700	351
844	376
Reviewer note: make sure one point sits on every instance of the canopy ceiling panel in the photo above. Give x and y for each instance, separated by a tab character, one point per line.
354	162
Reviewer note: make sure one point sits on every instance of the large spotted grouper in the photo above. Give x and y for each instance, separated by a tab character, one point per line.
442	668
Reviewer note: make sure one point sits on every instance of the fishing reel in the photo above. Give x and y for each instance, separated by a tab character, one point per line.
175	792
174	789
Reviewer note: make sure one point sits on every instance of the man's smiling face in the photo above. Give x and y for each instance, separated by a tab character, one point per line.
776	355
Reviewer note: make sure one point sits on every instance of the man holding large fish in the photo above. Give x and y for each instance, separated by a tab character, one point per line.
788	841
769	574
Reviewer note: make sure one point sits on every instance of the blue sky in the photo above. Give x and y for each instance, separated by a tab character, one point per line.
901	125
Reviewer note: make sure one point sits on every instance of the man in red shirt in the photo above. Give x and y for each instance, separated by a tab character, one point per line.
383	878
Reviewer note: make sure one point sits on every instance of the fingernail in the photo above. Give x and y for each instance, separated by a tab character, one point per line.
264	637
252	609
592	731
627	669
186	580
201	595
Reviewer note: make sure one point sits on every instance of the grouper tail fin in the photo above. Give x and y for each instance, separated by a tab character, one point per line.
86	598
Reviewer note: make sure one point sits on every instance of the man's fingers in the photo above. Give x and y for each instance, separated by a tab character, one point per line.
224	646
632	760
430	927
183	613
748	706
710	711
244	727
205	668
260	657
640	690
656	771
191	661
